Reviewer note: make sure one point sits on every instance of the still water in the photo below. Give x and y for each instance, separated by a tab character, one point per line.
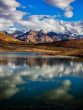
32	79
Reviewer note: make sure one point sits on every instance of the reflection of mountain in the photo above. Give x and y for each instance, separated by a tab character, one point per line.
15	71
35	68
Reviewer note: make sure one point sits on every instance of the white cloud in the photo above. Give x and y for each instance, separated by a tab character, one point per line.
63	5
8	13
4	23
68	14
8	10
50	23
45	22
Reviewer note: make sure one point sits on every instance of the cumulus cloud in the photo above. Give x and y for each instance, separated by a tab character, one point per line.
8	13
8	10
48	23
68	14
63	5
4	23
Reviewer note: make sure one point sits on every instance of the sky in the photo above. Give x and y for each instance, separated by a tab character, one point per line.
31	14
41	7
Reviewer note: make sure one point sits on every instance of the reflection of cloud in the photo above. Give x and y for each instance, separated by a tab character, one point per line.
45	71
8	86
7	90
60	93
12	73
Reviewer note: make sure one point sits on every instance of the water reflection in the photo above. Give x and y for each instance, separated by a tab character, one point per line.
39	68
40	80
59	93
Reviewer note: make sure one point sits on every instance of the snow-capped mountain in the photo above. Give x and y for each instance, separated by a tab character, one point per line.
63	31
11	29
75	28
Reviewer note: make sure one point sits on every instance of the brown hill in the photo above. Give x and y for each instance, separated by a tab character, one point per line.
7	39
72	47
74	43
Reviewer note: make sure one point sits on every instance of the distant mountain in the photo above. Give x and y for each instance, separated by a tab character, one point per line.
38	37
11	29
63	31
37	41
42	37
31	36
14	34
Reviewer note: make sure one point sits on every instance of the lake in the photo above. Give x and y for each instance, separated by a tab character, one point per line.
36	80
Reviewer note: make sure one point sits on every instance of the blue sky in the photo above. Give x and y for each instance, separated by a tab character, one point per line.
30	14
39	7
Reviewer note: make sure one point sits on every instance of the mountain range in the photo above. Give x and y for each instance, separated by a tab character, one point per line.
37	41
63	31
41	36
66	42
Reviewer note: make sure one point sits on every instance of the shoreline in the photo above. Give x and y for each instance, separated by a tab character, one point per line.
70	53
44	52
40	55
